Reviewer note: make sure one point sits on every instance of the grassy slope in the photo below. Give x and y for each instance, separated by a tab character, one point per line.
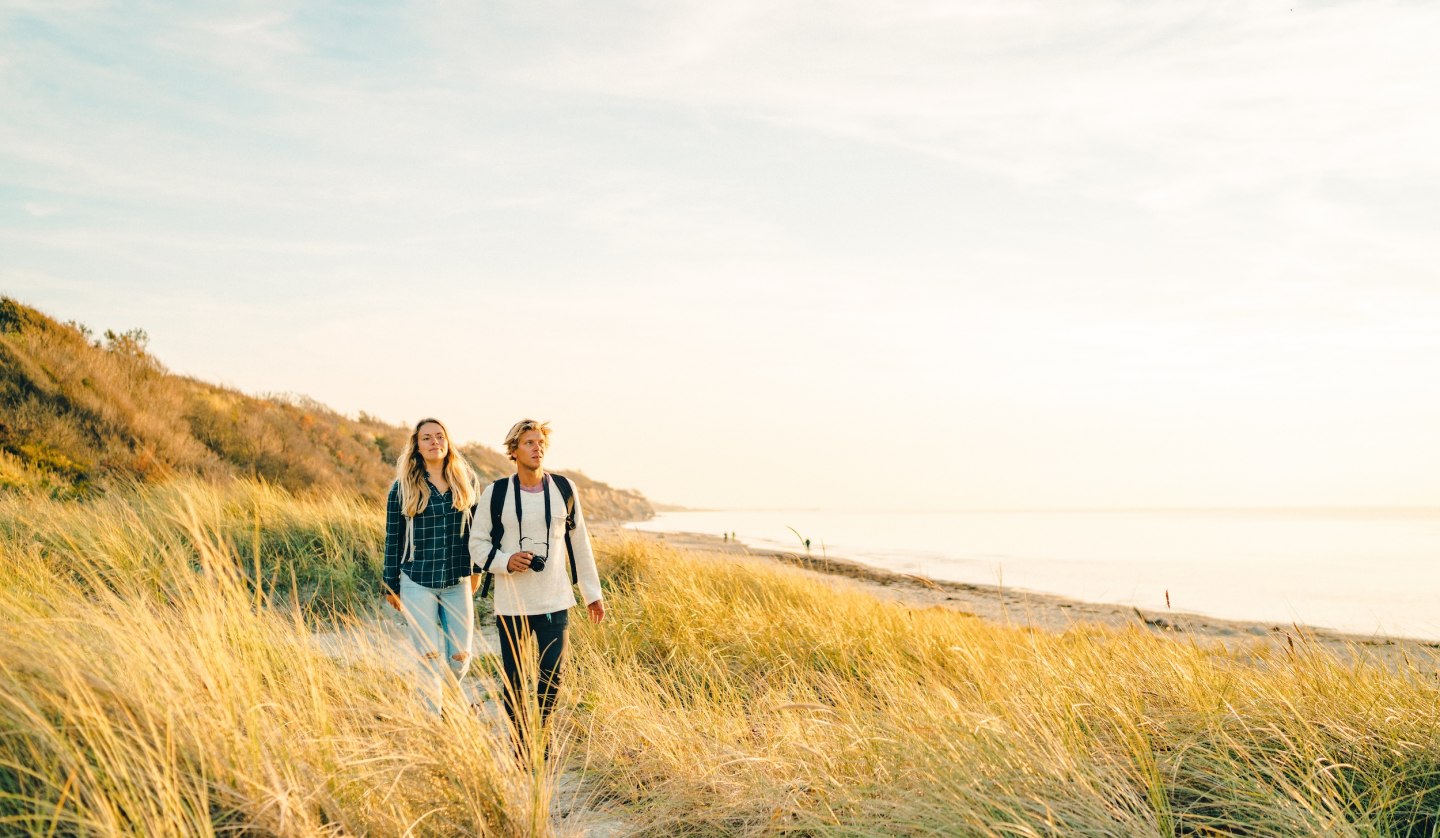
77	416
145	689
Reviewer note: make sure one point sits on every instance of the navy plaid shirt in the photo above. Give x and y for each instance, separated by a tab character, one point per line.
442	551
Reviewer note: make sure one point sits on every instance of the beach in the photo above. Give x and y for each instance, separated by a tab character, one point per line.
1053	613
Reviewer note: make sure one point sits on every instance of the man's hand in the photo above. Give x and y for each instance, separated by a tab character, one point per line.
393	600
519	561
597	610
474	583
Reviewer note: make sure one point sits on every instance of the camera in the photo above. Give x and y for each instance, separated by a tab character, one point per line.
534	546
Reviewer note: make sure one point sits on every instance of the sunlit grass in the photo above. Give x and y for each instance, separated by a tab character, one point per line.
730	695
322	552
150	686
145	689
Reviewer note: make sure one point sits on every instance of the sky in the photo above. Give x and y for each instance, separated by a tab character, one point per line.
846	255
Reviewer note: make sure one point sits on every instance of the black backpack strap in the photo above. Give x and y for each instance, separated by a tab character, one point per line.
497	529
568	493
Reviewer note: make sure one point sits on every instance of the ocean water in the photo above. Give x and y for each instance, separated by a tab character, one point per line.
1362	571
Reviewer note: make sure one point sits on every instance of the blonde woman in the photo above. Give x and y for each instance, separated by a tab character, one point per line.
427	556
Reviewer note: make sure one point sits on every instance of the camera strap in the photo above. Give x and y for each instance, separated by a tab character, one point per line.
520	516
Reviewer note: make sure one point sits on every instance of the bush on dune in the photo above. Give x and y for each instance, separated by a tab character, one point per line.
79	415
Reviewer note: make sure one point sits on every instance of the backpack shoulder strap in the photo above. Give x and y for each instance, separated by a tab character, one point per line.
497	529
568	493
407	547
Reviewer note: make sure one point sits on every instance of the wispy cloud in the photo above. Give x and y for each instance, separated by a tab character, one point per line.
1168	104
956	209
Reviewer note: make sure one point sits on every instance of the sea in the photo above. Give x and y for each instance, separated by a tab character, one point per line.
1363	571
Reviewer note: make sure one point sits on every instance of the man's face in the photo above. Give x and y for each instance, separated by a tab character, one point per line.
530	452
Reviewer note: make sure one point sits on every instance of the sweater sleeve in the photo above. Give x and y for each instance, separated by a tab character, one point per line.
585	571
480	545
394	541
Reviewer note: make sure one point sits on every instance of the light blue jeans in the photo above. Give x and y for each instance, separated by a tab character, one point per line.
442	628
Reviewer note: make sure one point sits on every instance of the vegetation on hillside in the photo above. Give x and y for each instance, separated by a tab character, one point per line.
149	687
79	414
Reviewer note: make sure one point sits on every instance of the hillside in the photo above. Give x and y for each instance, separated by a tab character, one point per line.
79	414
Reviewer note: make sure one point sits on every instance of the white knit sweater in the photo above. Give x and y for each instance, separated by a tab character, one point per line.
529	592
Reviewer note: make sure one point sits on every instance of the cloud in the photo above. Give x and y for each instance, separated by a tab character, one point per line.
1168	105
24	281
939	208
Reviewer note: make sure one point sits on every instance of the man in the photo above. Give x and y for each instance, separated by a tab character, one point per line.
531	568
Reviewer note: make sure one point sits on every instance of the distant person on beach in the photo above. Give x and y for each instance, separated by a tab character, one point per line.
428	575
536	552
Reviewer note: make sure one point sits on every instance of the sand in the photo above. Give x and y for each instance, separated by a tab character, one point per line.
1050	612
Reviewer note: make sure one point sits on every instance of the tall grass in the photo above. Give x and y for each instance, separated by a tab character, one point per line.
147	689
158	677
323	552
731	696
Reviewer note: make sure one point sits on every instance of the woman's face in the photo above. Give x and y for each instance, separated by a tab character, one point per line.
430	441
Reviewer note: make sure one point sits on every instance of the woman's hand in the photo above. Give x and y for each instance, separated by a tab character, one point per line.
393	600
474	583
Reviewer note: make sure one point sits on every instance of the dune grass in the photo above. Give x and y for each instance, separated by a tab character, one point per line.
734	696
322	553
150	686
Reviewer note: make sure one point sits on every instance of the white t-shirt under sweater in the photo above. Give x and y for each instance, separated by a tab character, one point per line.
531	592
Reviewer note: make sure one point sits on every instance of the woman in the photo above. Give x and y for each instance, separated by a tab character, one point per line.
427	557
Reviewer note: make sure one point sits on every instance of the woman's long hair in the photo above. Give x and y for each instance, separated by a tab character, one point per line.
410	474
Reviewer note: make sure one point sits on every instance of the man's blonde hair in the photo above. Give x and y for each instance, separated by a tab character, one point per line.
519	429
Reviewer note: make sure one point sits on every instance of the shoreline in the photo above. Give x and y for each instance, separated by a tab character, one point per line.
1053	612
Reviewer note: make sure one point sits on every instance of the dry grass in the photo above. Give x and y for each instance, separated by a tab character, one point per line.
732	696
147	689
148	686
322	553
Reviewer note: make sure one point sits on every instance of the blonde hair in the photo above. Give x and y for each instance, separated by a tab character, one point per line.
519	429
410	474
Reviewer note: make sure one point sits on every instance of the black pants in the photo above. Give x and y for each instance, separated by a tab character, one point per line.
547	633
